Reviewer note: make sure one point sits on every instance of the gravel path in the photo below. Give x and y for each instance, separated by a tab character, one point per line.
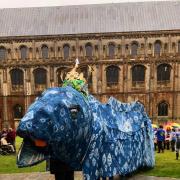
78	176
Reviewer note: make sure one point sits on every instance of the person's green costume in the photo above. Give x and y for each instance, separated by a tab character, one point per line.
77	84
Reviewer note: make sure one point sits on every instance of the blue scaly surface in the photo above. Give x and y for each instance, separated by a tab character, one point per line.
101	139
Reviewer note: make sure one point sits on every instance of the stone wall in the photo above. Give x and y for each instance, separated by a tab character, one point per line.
150	93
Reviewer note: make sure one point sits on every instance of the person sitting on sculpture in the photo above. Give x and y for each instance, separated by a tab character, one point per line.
76	80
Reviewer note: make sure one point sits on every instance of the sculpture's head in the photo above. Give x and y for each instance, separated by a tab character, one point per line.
61	119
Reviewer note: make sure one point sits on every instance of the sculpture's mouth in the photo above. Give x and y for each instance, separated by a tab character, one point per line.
32	153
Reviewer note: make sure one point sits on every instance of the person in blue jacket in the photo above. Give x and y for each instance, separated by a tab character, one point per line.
160	138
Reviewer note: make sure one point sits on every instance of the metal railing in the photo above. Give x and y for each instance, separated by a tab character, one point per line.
17	88
40	87
138	84
163	82
112	85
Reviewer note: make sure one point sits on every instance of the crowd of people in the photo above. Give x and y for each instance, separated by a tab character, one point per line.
168	138
7	140
163	139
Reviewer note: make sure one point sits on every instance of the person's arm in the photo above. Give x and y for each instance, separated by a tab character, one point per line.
156	133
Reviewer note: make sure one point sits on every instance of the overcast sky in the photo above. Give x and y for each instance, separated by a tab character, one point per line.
39	3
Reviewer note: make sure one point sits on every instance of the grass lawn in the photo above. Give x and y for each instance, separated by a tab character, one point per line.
8	163
166	165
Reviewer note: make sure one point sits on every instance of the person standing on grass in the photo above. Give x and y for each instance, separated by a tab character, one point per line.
160	138
155	139
167	140
177	143
173	140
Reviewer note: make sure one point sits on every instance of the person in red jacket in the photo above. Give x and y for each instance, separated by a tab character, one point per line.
11	136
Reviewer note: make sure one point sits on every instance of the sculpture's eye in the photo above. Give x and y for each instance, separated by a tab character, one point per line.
74	111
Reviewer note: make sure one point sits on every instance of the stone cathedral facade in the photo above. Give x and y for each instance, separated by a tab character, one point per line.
133	65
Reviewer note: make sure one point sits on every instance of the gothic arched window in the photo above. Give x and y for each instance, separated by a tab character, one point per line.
89	50
2	53
61	73
165	47
112	75
163	109
111	49
66	51
138	73
40	76
87	75
23	51
157	47
17	77
174	47
45	53
134	48
18	111
179	47
163	72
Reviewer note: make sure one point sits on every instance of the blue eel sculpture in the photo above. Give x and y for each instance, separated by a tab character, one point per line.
102	140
